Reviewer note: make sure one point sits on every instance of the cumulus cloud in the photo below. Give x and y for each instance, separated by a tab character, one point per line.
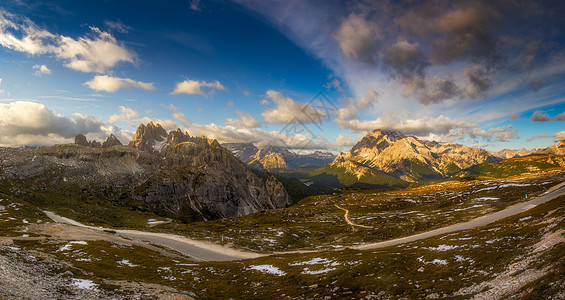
245	120
350	111
95	52
287	111
559	136
357	37
111	84
30	123
344	140
540	116
194	87
126	114
41	70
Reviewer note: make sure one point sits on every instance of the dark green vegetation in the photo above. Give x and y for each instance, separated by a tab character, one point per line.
330	176
520	256
513	167
316	222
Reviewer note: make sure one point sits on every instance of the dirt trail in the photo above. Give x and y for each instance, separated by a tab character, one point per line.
346	216
198	250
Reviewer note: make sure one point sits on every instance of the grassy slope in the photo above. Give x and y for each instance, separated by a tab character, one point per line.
315	221
456	265
513	167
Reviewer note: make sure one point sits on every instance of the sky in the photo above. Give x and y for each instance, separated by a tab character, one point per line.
303	74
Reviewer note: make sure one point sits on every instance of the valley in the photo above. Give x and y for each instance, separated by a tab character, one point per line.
526	248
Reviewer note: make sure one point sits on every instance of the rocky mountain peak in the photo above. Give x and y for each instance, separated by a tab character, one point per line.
377	140
177	136
243	151
112	140
150	138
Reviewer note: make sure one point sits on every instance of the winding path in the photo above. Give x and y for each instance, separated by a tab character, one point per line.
203	251
346	216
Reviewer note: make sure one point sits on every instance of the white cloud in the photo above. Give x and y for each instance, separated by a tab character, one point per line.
353	107
96	52
288	111
126	114
30	123
441	128
111	84
194	87
245	120
344	140
559	136
41	70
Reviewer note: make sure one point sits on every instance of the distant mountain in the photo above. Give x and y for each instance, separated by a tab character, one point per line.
508	153
391	159
243	151
556	149
278	159
171	174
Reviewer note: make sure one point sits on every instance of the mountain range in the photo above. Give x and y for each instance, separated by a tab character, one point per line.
172	174
278	159
391	159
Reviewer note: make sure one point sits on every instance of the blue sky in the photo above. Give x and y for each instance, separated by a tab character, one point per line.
472	72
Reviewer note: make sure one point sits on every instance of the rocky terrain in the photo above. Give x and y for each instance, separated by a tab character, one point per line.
391	158
175	175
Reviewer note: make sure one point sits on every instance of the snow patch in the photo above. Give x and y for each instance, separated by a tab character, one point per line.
269	269
85	284
126	262
316	272
443	248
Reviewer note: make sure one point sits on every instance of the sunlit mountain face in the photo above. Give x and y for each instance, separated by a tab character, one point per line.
298	75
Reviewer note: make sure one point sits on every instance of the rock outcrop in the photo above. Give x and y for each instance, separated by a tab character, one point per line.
110	141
